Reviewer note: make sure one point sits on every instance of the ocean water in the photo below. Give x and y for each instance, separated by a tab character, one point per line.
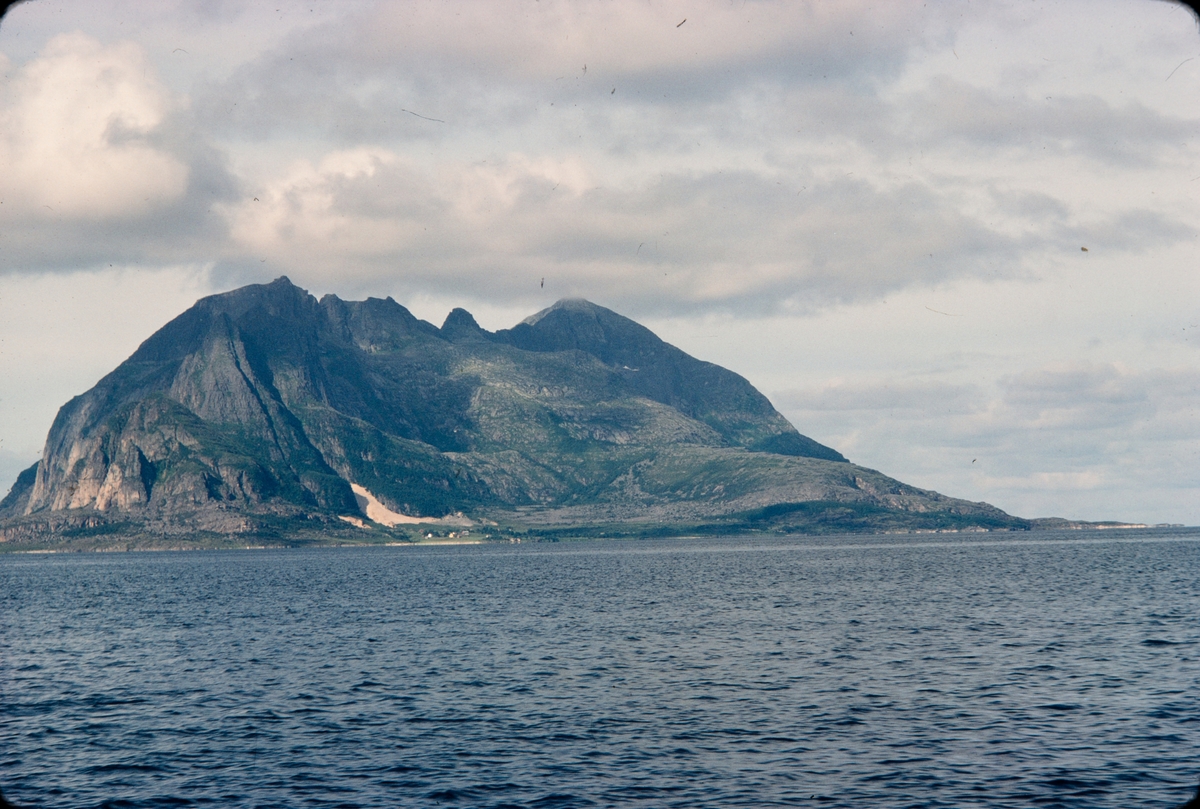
1056	670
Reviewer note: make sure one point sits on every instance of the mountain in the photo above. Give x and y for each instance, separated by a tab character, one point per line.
263	411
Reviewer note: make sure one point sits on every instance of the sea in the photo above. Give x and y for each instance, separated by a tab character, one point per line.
949	670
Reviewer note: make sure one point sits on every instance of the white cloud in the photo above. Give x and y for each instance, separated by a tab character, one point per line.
340	210
76	135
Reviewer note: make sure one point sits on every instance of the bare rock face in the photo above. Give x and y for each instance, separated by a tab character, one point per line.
263	403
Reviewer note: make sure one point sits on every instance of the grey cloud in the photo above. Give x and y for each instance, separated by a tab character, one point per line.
215	11
1101	401
901	398
1087	397
318	97
1092	441
1032	206
737	239
1068	387
184	231
1138	230
953	112
478	64
723	236
328	80
1052	224
371	79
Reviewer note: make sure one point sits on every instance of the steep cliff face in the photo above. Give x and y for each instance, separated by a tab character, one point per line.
264	403
193	421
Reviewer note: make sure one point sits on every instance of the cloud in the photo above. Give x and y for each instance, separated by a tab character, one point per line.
967	119
481	56
759	157
98	163
701	238
910	398
636	37
1068	437
789	238
752	159
1092	396
77	128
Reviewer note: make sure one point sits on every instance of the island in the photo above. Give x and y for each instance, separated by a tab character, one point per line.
266	416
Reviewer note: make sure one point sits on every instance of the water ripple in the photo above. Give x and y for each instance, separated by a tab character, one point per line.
841	672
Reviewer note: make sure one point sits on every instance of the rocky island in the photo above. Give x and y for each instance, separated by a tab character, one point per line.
264	415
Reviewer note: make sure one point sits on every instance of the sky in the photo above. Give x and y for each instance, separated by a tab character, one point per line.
957	241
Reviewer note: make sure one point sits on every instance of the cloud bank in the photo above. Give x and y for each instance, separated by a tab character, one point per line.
757	157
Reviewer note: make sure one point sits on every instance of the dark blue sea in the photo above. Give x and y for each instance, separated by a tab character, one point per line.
1055	670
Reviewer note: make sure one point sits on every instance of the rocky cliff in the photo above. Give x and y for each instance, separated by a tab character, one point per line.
264	409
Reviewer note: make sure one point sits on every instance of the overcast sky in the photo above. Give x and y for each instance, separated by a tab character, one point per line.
876	212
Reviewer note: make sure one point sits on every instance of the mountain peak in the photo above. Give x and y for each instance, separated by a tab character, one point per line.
575	305
575	323
460	324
